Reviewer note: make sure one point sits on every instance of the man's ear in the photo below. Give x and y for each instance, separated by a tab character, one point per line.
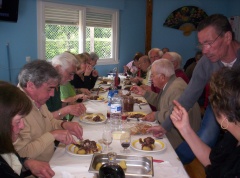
30	85
228	36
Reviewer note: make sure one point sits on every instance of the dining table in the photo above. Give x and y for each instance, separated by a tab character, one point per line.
66	164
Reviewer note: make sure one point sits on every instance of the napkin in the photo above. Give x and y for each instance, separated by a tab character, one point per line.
166	170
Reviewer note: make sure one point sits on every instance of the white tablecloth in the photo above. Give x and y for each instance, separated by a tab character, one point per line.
69	166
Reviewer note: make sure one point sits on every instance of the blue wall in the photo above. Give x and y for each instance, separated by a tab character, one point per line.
21	37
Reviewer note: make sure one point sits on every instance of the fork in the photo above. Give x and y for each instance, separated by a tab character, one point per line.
139	106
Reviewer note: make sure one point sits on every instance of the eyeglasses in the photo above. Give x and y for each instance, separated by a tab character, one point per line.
209	44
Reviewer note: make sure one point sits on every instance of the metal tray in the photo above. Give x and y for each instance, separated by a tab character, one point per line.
138	166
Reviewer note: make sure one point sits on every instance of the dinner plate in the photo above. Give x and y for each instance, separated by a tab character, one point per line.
159	146
88	118
100	98
70	150
130	114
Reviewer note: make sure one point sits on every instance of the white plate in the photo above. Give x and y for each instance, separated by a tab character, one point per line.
84	118
159	146
70	150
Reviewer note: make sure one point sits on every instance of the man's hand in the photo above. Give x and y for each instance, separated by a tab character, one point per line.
158	131
146	87
76	109
39	168
74	128
64	136
150	117
137	90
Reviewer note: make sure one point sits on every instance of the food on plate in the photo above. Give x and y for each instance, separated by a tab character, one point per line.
123	165
85	147
136	115
100	89
138	101
140	128
98	166
127	82
127	88
147	143
96	97
95	118
105	82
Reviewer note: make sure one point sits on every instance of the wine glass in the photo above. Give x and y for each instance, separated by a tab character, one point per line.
125	140
107	137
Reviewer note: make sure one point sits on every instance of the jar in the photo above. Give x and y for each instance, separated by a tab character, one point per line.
128	103
111	169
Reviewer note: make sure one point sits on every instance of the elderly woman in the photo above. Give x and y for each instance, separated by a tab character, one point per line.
14	105
224	159
82	79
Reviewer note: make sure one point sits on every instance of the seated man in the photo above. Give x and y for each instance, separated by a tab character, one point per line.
145	66
163	77
38	79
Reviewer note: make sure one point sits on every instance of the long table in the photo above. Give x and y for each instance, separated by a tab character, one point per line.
66	165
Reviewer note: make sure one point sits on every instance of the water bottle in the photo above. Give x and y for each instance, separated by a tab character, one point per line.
116	111
109	97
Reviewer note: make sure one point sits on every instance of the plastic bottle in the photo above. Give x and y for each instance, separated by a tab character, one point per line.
116	111
111	169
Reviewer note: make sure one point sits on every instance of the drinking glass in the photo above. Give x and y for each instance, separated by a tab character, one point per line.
107	137
125	140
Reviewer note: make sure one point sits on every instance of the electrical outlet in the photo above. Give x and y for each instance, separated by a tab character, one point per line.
28	59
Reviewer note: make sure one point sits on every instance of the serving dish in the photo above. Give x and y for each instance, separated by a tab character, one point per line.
137	166
88	118
158	146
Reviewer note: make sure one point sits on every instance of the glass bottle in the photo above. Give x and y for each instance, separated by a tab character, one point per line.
111	169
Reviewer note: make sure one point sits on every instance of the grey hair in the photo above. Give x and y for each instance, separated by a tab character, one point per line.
176	57
160	53
163	66
37	72
65	60
94	56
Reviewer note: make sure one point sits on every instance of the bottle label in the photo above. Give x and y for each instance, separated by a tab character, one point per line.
116	108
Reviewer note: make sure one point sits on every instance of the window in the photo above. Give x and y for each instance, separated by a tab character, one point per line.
77	29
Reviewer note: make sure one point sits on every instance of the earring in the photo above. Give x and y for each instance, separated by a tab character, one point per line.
223	122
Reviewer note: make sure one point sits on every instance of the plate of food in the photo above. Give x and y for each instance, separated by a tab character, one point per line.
93	118
96	98
105	82
84	148
138	115
101	90
140	128
148	144
139	101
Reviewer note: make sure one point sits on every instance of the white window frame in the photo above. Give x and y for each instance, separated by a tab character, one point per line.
115	29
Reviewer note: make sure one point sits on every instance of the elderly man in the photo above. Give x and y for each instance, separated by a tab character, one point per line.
163	76
145	66
176	59
155	54
38	79
65	64
219	49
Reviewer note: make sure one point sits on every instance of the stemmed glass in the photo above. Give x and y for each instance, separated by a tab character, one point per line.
125	140
107	137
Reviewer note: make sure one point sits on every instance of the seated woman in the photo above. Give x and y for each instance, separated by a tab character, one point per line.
224	159
14	105
82	79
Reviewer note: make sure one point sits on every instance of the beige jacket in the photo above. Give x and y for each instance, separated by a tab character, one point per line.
35	140
163	102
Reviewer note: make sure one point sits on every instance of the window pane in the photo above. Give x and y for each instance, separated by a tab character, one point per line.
99	40
60	38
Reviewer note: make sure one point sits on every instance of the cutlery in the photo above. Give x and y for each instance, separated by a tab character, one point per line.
139	106
98	89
